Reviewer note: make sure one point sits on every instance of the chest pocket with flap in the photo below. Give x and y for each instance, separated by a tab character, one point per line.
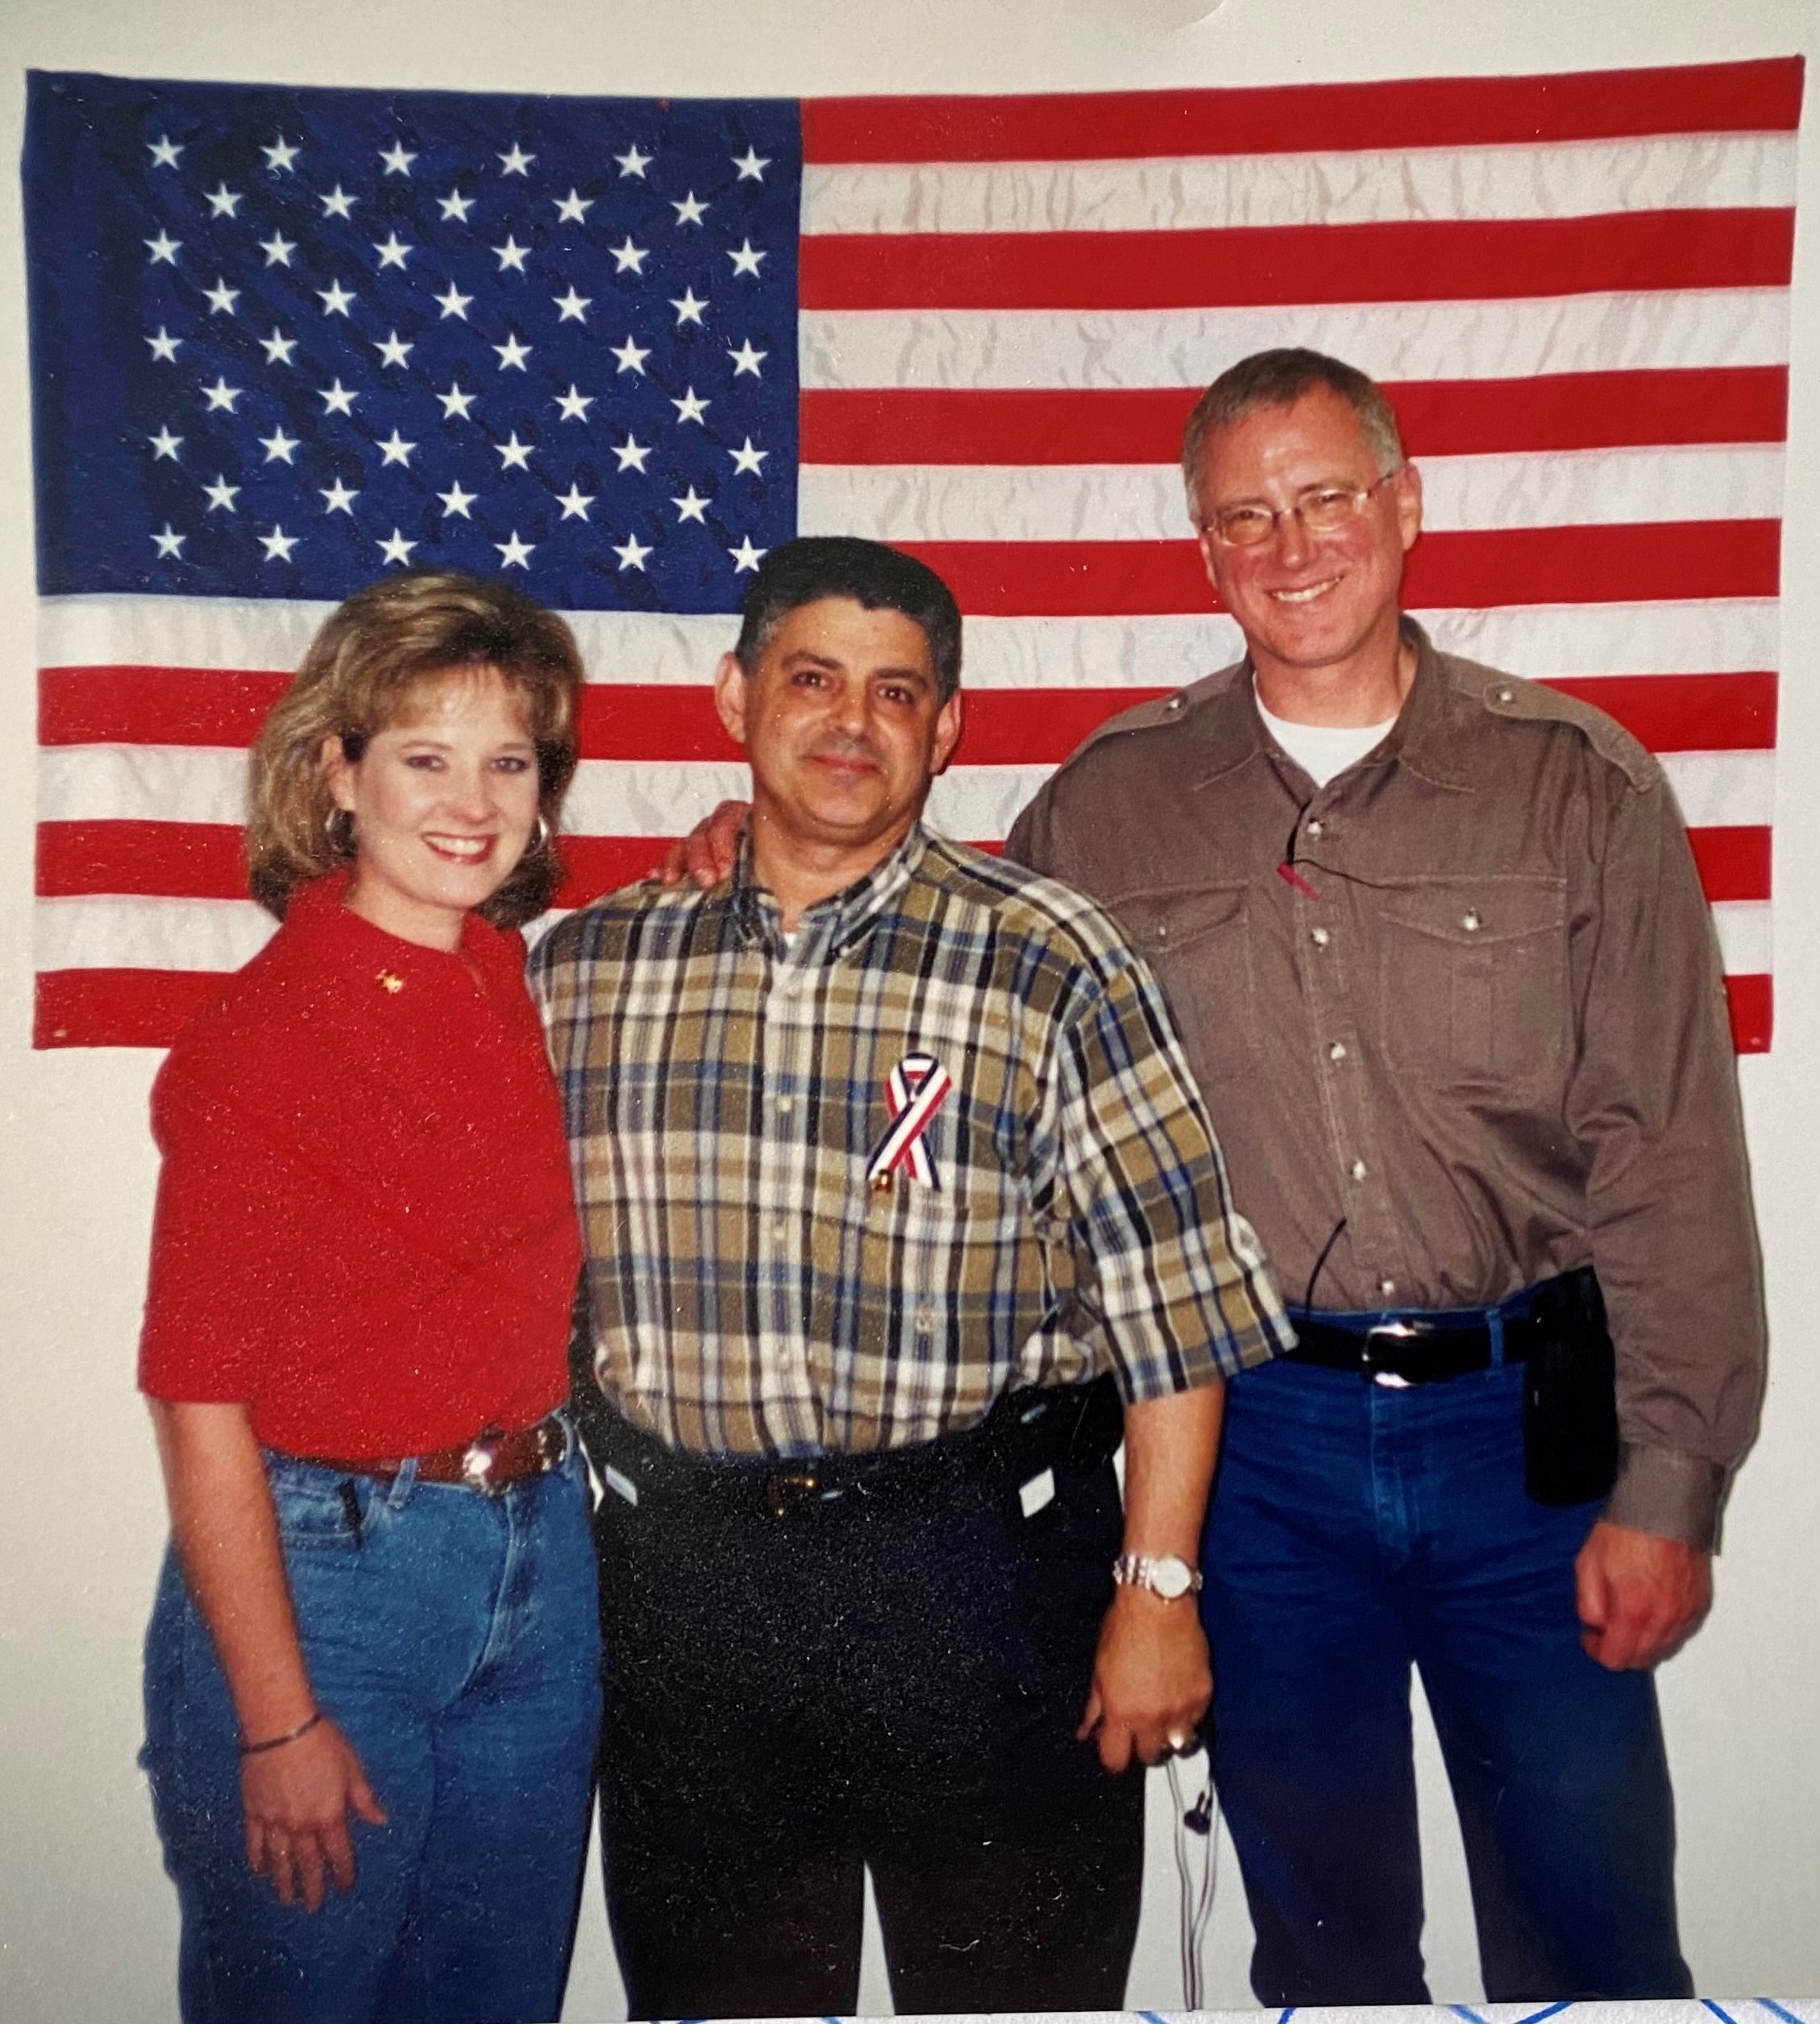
1197	940
1473	977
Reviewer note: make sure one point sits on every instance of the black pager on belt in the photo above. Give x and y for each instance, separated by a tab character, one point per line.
1570	1395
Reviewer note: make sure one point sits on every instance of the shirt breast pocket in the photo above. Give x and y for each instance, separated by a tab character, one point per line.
1197	940
1473	983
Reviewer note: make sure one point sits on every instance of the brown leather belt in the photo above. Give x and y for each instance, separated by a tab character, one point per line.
489	1463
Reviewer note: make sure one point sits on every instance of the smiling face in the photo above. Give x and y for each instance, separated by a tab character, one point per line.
443	801
1323	606
842	725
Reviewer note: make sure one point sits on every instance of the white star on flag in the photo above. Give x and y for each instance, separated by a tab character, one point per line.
170	543
221	494
278	544
340	497
631	553
397	549
337	203
515	553
165	152
221	395
397	158
277	250
396	449
575	502
279	156
278	447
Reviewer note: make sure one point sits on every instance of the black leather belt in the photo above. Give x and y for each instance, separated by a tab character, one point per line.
1429	1346
1072	1428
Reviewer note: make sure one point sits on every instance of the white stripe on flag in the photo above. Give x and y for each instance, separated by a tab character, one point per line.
1391	341
271	634
1145	502
663	798
110	932
1365	186
1693	637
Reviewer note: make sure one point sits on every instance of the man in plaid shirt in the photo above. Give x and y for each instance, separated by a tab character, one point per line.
894	1186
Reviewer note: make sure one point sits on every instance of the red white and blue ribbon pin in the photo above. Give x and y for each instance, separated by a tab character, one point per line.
915	1090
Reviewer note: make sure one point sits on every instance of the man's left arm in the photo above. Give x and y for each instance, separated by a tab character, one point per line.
1185	1300
1653	1099
1152	1681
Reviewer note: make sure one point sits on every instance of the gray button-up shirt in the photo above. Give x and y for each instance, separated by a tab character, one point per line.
1460	1021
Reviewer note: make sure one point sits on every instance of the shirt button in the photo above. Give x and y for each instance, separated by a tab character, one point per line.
786	1105
1162	931
780	1229
1320	937
1386	1287
926	1318
1337	1051
1359	1170
1317	827
1469	921
1505	694
1175	703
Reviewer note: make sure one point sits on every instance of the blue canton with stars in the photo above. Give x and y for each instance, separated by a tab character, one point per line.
284	340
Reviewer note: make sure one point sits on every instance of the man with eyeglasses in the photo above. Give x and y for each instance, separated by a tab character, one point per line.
1443	969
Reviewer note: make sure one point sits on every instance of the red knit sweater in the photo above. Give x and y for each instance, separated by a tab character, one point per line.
364	1228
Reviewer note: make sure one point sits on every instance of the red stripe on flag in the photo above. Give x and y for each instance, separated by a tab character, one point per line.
171	860
129	705
117	1008
1733	863
202	861
1422	261
1763	96
1684	713
146	1007
1752	1000
652	721
1143	424
1470	568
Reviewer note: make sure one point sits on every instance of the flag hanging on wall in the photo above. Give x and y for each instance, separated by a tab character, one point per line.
285	340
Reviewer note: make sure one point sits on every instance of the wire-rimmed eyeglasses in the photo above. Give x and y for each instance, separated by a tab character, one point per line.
1322	509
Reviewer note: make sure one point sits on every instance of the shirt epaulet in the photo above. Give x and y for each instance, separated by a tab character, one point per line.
1509	695
1158	713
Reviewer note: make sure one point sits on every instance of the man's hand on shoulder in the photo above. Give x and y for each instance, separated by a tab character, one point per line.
706	855
1640	1596
1152	1682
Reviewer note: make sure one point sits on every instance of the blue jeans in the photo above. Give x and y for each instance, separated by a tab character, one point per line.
455	1638
1356	1529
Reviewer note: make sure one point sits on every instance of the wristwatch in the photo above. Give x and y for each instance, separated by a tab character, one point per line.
1165	1574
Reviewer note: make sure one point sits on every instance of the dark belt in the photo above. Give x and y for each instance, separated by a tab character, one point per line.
1428	1346
1071	1428
489	1463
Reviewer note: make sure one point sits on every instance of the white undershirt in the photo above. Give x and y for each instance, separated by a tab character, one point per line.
1322	751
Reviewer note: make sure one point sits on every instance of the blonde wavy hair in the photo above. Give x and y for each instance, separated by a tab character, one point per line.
362	671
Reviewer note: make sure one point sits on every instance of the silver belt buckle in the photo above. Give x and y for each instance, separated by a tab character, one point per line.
476	1465
1397	1332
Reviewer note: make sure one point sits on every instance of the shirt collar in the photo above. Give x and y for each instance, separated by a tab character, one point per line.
1421	738
832	926
317	916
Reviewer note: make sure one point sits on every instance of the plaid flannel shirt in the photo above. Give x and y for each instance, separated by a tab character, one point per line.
726	1092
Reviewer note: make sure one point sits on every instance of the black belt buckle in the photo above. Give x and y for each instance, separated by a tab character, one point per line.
785	1490
1386	1369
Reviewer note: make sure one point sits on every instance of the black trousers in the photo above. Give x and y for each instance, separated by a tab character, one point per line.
886	1678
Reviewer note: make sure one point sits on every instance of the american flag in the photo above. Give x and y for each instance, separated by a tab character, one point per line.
285	340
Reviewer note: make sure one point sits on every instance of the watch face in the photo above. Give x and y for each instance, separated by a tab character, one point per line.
1170	1577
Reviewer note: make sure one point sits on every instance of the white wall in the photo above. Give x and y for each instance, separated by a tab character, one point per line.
87	1930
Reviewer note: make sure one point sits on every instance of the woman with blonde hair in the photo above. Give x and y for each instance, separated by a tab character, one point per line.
372	1676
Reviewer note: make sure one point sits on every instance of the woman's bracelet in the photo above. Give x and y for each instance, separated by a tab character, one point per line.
278	1743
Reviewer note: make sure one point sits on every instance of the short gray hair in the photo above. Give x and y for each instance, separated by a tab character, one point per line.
1275	379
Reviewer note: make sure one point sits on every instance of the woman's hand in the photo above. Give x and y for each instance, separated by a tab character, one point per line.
298	1794
297	1798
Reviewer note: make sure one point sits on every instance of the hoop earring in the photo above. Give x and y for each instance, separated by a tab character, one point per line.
341	840
543	842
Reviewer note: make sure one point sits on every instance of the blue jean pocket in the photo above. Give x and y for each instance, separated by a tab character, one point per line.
317	1510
